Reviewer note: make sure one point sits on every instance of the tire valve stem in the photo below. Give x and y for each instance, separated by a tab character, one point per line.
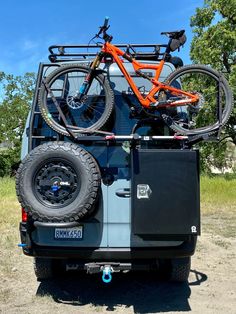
106	274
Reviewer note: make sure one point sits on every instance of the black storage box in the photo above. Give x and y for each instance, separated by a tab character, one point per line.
165	192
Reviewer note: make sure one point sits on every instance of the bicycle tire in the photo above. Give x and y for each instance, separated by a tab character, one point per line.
216	77
64	76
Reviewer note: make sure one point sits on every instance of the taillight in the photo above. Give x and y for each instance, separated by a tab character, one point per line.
24	215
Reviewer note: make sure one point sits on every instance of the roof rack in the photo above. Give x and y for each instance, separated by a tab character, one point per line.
63	53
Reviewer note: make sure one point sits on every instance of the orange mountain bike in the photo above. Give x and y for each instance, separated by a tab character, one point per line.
193	100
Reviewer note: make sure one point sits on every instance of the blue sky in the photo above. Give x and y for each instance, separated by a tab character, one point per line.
29	27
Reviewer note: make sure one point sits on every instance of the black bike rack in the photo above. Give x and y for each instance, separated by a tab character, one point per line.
64	53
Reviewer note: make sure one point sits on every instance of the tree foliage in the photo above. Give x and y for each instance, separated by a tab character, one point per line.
214	44
16	93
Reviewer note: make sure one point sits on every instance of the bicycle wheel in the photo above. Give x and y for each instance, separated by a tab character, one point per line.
62	87
205	116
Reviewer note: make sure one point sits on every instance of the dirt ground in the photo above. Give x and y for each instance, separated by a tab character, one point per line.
211	287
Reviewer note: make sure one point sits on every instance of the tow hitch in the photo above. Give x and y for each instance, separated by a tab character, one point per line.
106	273
106	269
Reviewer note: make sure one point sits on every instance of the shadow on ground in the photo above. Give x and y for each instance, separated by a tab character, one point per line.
144	292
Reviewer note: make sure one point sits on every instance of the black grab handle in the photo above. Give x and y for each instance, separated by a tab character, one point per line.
123	192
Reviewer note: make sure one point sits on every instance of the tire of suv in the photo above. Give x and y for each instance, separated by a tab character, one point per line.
43	268
175	269
180	268
58	182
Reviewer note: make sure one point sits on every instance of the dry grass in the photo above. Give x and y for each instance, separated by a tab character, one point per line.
9	206
9	220
218	206
218	195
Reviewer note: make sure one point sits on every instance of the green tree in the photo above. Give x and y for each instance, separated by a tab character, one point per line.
214	43
16	93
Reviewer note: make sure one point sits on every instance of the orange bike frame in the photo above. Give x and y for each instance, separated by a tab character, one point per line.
148	99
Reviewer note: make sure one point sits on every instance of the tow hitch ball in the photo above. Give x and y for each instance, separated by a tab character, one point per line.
107	270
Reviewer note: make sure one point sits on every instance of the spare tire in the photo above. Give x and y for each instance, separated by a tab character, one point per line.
58	182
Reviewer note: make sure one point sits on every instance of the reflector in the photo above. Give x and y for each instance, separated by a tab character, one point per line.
24	215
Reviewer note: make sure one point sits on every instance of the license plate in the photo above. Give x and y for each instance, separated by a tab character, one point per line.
69	233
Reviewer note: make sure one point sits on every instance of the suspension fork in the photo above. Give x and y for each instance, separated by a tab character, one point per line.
88	79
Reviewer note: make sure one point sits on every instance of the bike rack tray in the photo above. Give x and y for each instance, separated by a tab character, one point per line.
186	141
131	137
135	139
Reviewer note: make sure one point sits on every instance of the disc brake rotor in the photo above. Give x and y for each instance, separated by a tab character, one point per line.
74	103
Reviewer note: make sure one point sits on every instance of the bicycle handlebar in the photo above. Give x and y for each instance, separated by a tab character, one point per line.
106	21
105	26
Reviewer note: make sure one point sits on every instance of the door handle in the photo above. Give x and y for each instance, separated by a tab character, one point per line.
123	192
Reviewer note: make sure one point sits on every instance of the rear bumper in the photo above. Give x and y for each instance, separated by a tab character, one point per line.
187	248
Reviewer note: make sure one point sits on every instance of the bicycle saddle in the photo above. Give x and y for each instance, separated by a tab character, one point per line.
174	34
